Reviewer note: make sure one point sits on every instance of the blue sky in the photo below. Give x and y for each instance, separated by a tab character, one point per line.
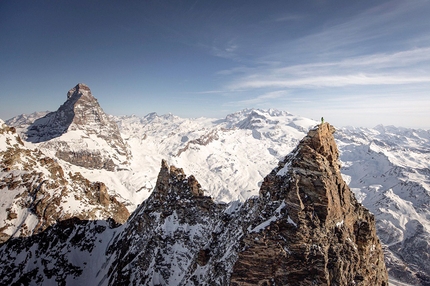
359	63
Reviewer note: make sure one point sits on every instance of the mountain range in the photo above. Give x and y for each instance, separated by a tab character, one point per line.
71	178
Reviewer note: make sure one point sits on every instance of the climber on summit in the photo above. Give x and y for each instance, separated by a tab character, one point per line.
322	120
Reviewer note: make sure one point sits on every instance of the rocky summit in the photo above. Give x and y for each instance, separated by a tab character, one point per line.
311	230
305	228
80	133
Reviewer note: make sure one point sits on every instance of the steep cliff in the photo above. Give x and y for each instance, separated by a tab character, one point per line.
310	230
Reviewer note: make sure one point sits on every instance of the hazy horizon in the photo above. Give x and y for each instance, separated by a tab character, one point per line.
355	63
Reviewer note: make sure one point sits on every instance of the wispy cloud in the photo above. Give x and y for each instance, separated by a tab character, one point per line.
401	59
380	25
398	68
260	99
332	81
206	92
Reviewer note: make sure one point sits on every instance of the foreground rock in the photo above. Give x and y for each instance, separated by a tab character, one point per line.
306	228
313	231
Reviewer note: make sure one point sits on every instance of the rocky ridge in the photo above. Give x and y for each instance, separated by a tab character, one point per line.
306	228
315	232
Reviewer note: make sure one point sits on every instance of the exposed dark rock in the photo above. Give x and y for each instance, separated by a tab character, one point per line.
86	159
167	218
54	256
317	233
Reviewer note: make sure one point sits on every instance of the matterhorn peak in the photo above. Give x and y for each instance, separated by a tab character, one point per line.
84	120
79	90
80	110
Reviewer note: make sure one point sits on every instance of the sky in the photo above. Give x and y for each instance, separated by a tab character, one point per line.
359	63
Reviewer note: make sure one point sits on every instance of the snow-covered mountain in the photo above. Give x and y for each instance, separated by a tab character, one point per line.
386	167
79	132
230	156
305	228
388	170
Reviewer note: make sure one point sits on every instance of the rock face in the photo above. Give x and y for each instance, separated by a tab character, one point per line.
82	118
305	228
317	233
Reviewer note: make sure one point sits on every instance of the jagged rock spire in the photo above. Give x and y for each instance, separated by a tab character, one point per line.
318	233
79	90
80	111
173	183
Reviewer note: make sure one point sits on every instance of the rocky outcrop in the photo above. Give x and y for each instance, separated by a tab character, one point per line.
311	230
37	193
87	125
203	140
86	159
162	240
64	254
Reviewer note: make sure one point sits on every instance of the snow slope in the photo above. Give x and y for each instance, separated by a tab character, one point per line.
388	169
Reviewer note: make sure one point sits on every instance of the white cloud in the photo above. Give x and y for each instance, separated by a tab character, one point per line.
398	68
331	81
206	92
260	99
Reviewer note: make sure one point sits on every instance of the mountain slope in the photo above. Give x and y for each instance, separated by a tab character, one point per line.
387	168
37	193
